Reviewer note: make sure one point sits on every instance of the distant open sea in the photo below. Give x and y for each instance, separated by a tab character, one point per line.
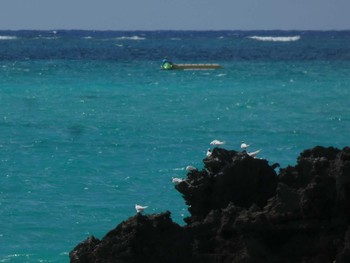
90	125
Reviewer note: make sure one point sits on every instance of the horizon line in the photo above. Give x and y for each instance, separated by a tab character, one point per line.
157	30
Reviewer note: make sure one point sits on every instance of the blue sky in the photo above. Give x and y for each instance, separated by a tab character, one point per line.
175	14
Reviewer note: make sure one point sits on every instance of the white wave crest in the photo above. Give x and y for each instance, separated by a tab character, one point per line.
276	39
7	37
131	38
47	38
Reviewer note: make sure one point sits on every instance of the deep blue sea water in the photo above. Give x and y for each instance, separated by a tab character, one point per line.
90	125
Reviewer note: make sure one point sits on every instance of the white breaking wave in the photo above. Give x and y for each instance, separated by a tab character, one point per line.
276	39
7	37
47	38
131	38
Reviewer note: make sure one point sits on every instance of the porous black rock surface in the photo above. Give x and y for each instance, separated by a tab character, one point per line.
241	210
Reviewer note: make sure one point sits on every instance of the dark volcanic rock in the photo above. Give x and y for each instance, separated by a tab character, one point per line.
242	211
230	177
153	238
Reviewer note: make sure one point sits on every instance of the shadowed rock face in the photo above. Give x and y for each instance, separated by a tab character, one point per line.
229	176
242	211
153	238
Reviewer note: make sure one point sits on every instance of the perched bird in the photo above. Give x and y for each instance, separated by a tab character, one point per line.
217	142
177	180
244	146
253	154
140	208
209	153
190	168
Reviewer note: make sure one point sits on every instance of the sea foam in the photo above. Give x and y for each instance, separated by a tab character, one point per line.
276	39
131	38
7	37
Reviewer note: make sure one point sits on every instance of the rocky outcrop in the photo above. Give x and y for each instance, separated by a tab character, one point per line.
241	210
153	238
229	176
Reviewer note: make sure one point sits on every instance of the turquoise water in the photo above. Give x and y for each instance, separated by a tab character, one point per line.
90	125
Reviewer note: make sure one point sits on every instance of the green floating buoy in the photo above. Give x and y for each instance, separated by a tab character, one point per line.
167	65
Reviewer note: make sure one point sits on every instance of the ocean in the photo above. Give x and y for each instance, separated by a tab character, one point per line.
90	124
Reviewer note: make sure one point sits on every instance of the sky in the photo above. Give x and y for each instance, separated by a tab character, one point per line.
175	14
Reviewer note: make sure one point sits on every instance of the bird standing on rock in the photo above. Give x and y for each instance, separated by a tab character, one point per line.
140	208
190	168
177	180
244	146
217	142
253	154
209	153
